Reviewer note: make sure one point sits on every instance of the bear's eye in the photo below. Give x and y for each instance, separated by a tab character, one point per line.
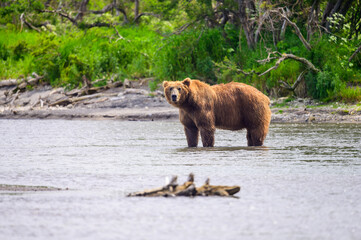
171	88
179	89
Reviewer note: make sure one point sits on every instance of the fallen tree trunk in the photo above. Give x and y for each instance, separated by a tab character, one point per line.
70	100
16	86
355	53
21	84
91	90
9	83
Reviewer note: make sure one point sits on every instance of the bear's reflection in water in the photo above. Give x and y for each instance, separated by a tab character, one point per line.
223	149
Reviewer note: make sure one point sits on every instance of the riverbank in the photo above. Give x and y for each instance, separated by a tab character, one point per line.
139	103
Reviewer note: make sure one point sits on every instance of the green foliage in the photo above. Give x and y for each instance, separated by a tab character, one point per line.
65	59
19	50
324	85
11	11
153	85
4	52
190	55
288	71
350	94
64	53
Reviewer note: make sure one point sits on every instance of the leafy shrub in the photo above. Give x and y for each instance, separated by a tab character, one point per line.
46	53
20	49
323	85
190	55
4	52
350	94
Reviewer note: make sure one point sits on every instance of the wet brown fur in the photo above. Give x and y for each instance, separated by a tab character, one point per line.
231	106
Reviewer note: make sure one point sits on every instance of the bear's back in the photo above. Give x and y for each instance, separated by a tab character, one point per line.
239	105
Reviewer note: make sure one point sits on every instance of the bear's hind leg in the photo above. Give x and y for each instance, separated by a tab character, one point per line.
256	136
192	136
207	137
249	138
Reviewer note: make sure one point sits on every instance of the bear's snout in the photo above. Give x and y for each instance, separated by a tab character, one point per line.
174	97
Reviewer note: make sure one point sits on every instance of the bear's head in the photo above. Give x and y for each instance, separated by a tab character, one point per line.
177	92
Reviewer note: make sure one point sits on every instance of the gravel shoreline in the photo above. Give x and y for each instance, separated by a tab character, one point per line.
142	105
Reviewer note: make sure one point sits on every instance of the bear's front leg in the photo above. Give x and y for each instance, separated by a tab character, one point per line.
192	136
207	137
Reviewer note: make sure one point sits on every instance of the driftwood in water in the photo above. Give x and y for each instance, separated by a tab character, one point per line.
187	189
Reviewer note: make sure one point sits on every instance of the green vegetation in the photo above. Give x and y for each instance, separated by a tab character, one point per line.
171	40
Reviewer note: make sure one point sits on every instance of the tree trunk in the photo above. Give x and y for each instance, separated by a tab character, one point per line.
312	21
82	10
333	6
136	8
245	23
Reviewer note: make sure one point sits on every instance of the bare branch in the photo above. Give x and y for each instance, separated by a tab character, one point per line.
182	28
355	53
62	14
304	61
110	7
269	58
283	29
285	56
275	66
96	24
23	20
282	13
75	22
126	20
237	69
295	84
105	9
260	23
136	19
120	36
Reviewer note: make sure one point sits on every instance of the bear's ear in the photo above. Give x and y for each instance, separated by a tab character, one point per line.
165	84
187	82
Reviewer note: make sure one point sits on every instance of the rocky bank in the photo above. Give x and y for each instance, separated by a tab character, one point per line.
137	102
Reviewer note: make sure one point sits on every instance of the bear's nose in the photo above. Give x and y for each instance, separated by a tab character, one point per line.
174	98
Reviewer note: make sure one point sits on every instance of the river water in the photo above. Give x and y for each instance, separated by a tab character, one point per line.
305	184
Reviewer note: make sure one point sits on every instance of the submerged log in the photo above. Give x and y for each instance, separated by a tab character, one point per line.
187	189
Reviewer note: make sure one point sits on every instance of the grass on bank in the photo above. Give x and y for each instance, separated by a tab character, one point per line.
63	57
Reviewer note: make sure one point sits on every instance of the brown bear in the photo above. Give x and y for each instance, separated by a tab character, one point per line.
231	106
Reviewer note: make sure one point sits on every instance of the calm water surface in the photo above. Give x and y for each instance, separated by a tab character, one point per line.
306	184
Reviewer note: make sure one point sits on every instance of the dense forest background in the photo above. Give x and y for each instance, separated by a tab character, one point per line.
300	47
